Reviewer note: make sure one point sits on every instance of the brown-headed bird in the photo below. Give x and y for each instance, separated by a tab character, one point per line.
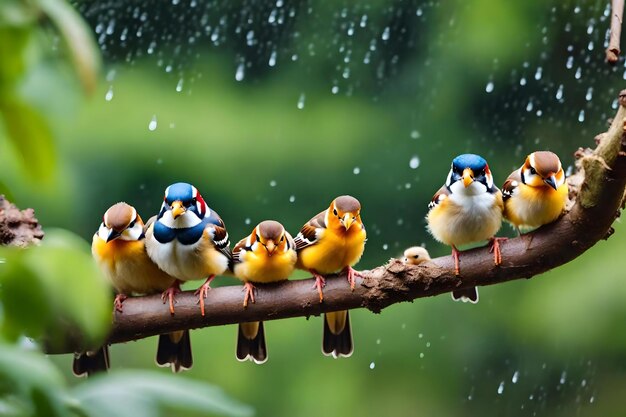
267	255
536	193
119	250
330	242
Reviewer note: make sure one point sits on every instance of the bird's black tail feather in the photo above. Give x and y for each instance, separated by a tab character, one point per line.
251	342
91	362
337	339
174	350
465	295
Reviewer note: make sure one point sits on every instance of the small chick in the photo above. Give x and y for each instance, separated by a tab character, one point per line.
416	255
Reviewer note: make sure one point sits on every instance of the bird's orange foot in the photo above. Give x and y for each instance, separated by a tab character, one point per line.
170	295
119	299
455	254
320	283
494	242
202	292
352	274
249	289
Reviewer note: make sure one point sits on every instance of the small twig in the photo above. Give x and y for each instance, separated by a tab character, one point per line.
613	51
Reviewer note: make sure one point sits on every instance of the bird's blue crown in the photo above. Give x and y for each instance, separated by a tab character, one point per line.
469	160
180	191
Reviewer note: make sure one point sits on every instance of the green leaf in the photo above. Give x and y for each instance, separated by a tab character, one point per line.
143	394
13	41
32	379
30	135
78	39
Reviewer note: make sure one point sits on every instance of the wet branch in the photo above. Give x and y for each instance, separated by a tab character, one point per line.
597	190
613	51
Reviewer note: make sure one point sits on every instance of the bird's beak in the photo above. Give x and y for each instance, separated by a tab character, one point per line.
270	246
178	209
551	181
113	234
468	177
347	221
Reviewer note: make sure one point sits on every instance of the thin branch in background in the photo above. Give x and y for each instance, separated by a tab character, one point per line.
597	190
613	51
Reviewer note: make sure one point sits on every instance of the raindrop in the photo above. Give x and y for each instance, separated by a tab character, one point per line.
356	171
515	377
179	86
247	220
334	89
538	73
273	183
372	365
563	378
272	61
292	198
489	87
579	73
109	94
385	35
577	9
589	94
363	21
583	383
301	99
592	399
385	246
581	116
239	74
570	62
559	92
522	81
420	335
419	12
153	123
421	355
501	388
414	162
378	341
529	106
590	46
415	134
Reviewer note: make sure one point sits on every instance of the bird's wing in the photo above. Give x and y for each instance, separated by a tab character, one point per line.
511	183
239	249
309	233
439	197
291	244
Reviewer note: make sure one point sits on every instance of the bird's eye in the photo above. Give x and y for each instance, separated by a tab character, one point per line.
533	171
258	238
282	238
335	212
416	256
132	224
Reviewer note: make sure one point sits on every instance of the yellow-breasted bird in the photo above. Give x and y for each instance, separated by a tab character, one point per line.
119	250
188	240
467	209
332	241
268	254
536	193
415	255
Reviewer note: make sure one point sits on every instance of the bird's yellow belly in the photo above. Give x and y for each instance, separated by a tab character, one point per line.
263	268
532	208
457	226
333	253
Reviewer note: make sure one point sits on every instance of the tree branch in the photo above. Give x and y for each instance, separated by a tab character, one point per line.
613	51
597	189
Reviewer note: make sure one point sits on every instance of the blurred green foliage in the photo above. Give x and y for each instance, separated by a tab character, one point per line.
447	78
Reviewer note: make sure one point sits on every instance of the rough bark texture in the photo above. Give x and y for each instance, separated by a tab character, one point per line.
18	227
597	192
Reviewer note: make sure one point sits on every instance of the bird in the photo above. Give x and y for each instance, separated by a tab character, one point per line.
330	242
536	193
188	240
415	255
119	250
267	254
467	209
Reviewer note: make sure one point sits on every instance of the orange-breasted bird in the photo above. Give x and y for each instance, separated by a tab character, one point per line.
119	250
330	242
467	209
268	254
536	193
188	240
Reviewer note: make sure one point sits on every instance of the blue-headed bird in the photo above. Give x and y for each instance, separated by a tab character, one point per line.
330	242
188	240
268	254
536	193
119	250
467	209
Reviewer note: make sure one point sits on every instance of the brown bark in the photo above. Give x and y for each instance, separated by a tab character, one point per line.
597	190
613	50
18	227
